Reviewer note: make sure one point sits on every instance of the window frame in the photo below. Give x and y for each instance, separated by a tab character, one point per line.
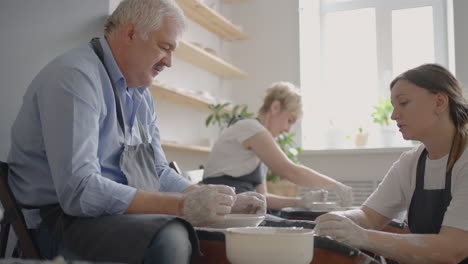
383	12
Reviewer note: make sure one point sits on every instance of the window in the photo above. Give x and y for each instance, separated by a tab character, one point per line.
350	52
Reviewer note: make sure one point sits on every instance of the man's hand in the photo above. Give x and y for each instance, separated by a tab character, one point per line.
205	204
249	203
341	228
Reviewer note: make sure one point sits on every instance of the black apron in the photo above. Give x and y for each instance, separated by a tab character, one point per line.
427	208
119	238
245	183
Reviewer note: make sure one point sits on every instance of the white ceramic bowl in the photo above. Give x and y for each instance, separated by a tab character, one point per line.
273	245
238	220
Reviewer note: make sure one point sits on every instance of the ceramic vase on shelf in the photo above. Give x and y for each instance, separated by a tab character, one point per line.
388	135
360	139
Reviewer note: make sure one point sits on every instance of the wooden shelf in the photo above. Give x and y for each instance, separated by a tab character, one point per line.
207	61
235	1
177	146
163	93
211	20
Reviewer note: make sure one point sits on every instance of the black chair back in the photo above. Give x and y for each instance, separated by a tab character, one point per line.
14	217
175	167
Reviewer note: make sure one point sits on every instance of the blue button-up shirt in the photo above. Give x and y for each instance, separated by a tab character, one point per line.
66	140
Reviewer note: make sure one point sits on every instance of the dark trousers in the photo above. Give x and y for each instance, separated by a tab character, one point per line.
171	244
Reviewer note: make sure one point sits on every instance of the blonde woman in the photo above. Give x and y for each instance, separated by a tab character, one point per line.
237	156
430	182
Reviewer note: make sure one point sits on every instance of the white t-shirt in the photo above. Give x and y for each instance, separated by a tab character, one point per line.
228	156
393	196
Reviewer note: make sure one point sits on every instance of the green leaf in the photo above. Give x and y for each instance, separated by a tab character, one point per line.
212	106
222	117
382	112
234	110
208	120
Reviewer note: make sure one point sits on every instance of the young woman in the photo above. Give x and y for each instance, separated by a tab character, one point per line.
430	182
238	156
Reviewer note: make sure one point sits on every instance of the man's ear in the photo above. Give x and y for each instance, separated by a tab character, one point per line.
128	33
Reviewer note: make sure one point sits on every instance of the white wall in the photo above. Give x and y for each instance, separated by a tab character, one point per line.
349	165
272	52
32	33
460	7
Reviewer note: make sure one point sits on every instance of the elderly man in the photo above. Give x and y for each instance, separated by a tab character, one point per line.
86	160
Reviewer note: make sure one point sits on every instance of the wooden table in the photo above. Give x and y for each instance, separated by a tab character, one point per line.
392	227
213	248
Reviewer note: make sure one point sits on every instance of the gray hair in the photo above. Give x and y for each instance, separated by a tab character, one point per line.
146	15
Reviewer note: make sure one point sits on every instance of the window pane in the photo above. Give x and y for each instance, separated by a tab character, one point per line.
412	38
336	1
349	79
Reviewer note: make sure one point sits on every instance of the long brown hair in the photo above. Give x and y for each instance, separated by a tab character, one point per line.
437	79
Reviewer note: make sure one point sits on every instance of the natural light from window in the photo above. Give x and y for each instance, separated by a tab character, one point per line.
363	46
407	50
345	66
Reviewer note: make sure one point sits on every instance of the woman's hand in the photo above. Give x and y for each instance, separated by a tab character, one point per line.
344	194
341	228
307	199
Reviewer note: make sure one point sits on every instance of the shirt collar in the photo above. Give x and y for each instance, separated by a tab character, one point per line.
116	75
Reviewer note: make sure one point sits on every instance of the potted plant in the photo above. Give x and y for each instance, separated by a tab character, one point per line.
382	112
275	184
360	139
223	117
382	116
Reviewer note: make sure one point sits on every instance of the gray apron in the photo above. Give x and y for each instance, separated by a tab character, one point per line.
137	163
118	238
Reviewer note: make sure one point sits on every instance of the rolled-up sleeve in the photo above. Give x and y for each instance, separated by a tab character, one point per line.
70	112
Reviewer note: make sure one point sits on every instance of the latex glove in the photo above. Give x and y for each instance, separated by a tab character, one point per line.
306	200
249	203
344	194
205	204
341	228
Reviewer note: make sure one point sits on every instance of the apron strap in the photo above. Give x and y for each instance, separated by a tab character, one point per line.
143	135
96	45
427	208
